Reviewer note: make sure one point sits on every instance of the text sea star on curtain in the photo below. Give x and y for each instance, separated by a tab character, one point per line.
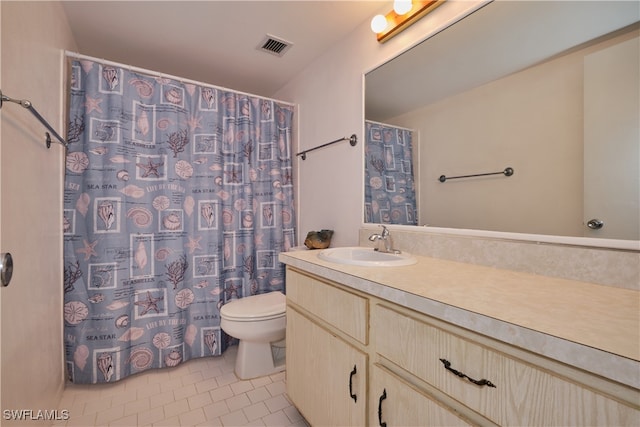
178	198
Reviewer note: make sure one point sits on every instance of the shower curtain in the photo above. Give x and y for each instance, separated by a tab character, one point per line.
178	198
390	196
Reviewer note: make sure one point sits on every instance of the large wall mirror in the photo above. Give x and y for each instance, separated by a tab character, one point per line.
549	89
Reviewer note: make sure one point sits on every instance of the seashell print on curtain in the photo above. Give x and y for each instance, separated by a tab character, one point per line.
178	198
390	194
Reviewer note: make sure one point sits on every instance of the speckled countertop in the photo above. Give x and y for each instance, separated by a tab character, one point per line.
593	327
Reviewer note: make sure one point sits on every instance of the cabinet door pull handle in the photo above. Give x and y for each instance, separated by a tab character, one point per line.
483	382
353	396
383	396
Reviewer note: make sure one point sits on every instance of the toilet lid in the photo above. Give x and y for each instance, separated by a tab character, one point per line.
256	306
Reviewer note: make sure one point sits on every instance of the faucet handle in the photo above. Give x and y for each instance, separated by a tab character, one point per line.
385	231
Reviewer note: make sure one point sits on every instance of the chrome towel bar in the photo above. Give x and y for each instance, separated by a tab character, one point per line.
27	104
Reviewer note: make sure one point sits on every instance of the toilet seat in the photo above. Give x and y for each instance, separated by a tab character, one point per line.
256	321
255	308
252	318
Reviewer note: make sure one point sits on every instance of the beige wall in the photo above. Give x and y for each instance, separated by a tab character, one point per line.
330	93
530	121
33	37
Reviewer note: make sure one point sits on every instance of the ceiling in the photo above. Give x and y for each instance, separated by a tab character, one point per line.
216	42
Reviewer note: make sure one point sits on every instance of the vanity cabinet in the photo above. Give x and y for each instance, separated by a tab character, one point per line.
326	372
486	377
414	369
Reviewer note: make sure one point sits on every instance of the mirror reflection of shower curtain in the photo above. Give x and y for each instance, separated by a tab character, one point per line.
178	198
390	196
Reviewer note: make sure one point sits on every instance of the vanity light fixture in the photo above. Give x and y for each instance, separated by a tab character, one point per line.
404	13
402	6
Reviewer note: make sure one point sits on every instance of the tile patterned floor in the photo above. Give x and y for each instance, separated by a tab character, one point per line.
200	392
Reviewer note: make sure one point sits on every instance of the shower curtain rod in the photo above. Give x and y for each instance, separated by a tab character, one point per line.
29	106
168	76
388	124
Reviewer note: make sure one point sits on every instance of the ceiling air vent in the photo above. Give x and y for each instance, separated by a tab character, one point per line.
274	45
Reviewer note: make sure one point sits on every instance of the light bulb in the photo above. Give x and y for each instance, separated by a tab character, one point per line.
402	6
378	23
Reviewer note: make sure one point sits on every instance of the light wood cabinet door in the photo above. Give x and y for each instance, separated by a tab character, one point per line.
397	403
321	379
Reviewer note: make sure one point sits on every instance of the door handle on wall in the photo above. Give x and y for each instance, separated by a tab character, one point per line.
6	268
595	224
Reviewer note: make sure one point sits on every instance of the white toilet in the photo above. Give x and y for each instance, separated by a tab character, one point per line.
258	321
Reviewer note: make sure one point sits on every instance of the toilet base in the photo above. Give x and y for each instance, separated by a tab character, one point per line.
256	359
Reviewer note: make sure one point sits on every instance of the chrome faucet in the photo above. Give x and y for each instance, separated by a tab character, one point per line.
385	238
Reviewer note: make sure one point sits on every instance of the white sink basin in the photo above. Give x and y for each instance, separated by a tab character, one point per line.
365	257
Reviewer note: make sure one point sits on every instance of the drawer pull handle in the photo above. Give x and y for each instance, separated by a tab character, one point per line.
383	396
447	366
353	396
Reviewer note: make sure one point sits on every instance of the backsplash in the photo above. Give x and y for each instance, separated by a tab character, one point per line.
609	267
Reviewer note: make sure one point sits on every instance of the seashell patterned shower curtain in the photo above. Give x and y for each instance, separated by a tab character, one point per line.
389	187
178	198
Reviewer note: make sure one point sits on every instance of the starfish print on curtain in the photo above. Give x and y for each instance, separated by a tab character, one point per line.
178	199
